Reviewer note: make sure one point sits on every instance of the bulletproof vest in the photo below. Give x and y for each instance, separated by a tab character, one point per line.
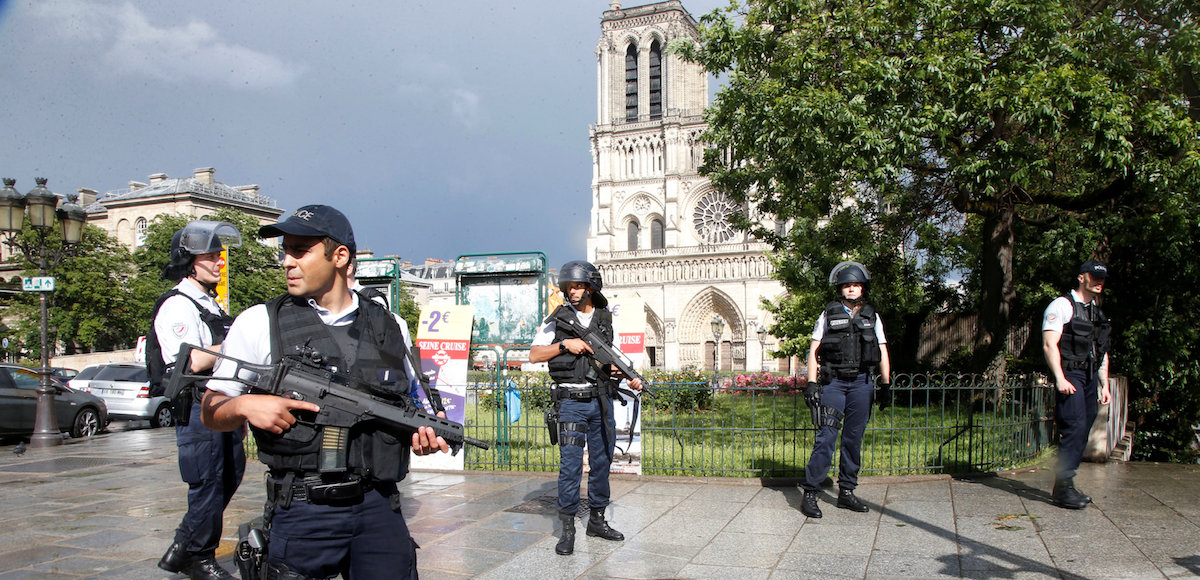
218	325
849	345
1085	338
574	368
371	351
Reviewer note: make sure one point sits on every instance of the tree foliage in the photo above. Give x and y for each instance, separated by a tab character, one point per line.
997	141
89	308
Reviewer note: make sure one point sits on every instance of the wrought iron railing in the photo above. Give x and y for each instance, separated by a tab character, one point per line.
938	423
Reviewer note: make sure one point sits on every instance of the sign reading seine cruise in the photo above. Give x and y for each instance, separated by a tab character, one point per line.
444	341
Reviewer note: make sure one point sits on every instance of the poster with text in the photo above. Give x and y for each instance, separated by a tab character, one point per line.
444	342
629	326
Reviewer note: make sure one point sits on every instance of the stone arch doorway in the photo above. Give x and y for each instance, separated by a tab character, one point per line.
698	347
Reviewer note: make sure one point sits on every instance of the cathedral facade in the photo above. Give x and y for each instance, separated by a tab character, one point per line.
658	228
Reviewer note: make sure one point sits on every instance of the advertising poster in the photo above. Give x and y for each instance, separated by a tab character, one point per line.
507	309
629	325
444	341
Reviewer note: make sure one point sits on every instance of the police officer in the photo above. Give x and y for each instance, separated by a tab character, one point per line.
210	462
1075	338
582	399
848	345
323	522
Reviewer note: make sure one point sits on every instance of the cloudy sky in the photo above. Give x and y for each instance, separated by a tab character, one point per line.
439	127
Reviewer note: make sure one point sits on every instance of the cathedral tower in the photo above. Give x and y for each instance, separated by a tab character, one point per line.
658	228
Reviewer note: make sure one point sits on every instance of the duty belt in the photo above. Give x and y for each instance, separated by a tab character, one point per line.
578	393
1076	365
315	488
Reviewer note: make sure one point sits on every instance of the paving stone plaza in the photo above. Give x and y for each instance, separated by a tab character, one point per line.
107	507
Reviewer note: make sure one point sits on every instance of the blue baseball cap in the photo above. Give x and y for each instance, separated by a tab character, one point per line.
1094	267
317	221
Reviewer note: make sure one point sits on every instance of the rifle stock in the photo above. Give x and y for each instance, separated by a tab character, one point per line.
342	405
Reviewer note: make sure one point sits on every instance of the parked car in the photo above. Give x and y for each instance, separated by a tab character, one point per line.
125	386
78	413
80	381
63	374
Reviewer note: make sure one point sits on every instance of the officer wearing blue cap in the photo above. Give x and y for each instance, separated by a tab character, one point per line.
1075	339
323	522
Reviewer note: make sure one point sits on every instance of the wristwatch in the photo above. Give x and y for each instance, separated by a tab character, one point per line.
562	347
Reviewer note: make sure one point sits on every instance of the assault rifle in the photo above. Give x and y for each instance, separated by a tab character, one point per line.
603	351
344	401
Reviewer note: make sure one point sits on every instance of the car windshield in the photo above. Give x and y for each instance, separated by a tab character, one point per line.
87	373
136	374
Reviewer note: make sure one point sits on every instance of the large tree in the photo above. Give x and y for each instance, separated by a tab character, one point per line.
952	114
1074	124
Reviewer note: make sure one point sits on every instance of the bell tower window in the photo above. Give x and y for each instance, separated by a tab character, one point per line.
656	94
631	84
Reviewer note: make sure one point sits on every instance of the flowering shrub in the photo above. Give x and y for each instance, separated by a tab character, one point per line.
763	383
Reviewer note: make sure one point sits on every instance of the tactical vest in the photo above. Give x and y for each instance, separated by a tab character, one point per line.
849	345
571	368
1085	338
157	367
370	350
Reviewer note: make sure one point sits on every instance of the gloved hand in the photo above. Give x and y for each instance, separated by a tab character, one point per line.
884	395
812	394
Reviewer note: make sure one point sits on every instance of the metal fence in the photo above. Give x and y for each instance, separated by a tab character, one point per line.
937	423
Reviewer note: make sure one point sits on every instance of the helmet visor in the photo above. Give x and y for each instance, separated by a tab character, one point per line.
204	237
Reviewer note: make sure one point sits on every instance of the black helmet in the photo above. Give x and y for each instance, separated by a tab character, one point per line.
580	271
850	272
197	238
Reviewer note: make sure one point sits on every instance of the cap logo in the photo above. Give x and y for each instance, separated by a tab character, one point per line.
303	214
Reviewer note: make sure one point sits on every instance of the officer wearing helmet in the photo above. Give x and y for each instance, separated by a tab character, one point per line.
848	346
1075	339
211	463
582	398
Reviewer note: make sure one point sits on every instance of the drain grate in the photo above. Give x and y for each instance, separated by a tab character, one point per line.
61	465
546	504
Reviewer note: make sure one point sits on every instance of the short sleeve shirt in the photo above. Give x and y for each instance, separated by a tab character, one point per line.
1059	312
819	329
178	322
250	340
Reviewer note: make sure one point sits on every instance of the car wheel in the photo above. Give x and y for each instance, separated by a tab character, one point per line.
162	417
87	423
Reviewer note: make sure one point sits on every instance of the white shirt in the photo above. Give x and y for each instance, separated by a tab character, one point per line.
819	330
178	322
545	334
1060	311
250	340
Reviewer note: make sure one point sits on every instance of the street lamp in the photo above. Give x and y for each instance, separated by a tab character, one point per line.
40	204
762	348
718	327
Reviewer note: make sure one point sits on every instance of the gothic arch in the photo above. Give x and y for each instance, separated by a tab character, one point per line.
695	327
641	204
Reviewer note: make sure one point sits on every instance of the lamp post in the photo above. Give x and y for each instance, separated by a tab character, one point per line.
718	327
40	204
762	348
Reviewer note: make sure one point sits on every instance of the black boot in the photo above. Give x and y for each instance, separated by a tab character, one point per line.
175	559
599	528
207	569
809	506
566	544
847	500
1066	496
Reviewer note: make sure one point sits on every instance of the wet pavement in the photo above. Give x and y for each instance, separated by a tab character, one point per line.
106	507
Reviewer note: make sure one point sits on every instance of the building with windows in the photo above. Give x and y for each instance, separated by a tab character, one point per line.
125	214
658	228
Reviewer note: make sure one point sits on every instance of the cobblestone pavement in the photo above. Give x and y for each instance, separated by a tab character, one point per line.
106	507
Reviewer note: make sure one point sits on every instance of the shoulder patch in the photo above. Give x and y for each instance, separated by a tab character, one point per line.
178	329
